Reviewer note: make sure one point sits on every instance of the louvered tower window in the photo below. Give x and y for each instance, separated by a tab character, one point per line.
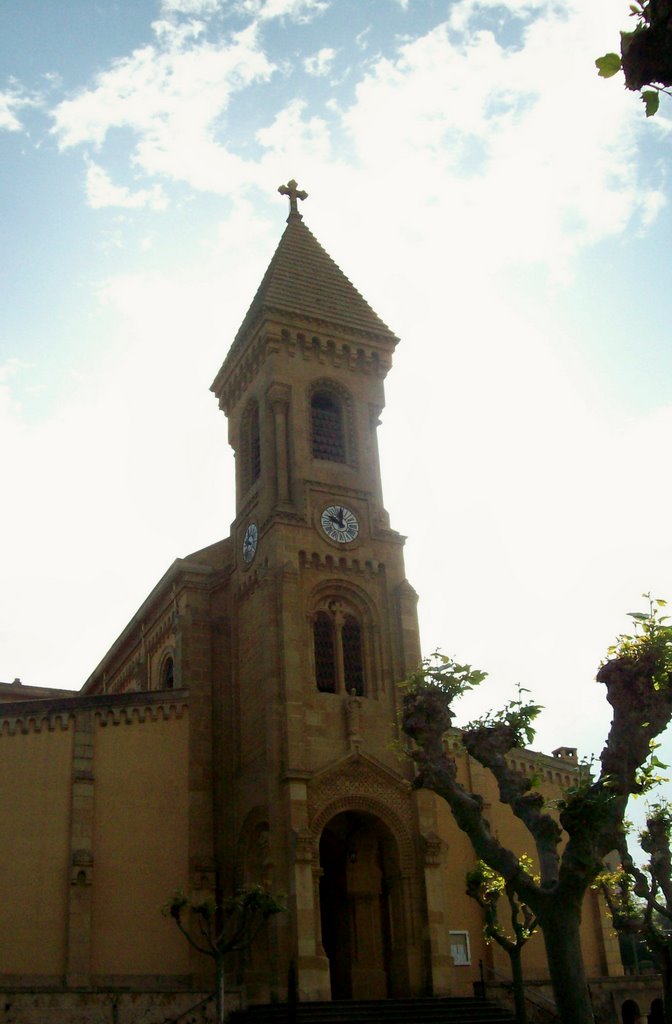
325	663
327	427
353	667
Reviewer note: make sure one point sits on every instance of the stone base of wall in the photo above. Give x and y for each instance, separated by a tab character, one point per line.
111	1006
607	995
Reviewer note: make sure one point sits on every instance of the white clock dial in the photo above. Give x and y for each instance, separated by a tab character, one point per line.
339	523
250	542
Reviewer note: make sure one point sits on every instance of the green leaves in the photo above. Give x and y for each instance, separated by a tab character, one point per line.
516	715
609	65
439	672
227	925
651	101
650	644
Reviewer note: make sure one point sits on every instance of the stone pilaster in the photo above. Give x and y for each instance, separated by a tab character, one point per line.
78	955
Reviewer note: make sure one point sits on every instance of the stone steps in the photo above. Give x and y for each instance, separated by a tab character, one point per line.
386	1011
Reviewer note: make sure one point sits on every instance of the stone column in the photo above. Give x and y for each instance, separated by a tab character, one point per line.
336	609
439	938
312	965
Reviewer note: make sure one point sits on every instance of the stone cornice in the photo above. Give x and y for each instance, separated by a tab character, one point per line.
58	712
320	341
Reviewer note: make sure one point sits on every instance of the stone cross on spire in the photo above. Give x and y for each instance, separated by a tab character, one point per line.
291	190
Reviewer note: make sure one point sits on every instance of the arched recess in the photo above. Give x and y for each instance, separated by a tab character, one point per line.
344	640
166	678
367	889
255	867
250	446
331	422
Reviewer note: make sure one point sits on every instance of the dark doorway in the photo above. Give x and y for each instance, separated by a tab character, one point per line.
630	1012
360	908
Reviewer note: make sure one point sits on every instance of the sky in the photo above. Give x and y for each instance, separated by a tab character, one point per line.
504	210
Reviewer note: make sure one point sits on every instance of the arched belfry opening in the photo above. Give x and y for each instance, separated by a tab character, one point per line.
361	912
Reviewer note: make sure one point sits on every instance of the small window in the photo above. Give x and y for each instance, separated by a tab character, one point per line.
325	663
328	436
167	681
459	949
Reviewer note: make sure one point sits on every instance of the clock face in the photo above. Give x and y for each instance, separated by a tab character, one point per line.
339	523
250	542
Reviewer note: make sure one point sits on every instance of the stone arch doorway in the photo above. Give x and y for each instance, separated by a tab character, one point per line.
361	910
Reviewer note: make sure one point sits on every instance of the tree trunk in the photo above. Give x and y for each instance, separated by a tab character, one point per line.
560	927
221	992
518	986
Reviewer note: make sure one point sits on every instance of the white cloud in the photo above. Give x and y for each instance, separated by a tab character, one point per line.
292	136
101	192
197	7
320	63
11	102
482	125
171	96
504	144
296	10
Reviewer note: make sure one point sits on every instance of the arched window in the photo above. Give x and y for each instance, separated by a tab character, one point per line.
328	434
250	446
339	659
167	678
325	665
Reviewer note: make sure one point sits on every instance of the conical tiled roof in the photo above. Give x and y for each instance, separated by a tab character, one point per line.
303	280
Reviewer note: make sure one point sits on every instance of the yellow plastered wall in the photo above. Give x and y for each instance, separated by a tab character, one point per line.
140	845
35	768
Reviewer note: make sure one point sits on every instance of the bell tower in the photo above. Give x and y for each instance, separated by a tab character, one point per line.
302	382
322	625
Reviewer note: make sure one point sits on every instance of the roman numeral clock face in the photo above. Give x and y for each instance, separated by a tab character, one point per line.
339	523
250	541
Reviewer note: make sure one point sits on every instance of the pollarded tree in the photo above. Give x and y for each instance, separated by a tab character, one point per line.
570	848
219	927
487	887
640	899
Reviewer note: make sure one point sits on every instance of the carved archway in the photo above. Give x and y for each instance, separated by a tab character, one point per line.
376	809
368	891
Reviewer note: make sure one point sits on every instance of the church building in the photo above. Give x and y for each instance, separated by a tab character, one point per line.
244	726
